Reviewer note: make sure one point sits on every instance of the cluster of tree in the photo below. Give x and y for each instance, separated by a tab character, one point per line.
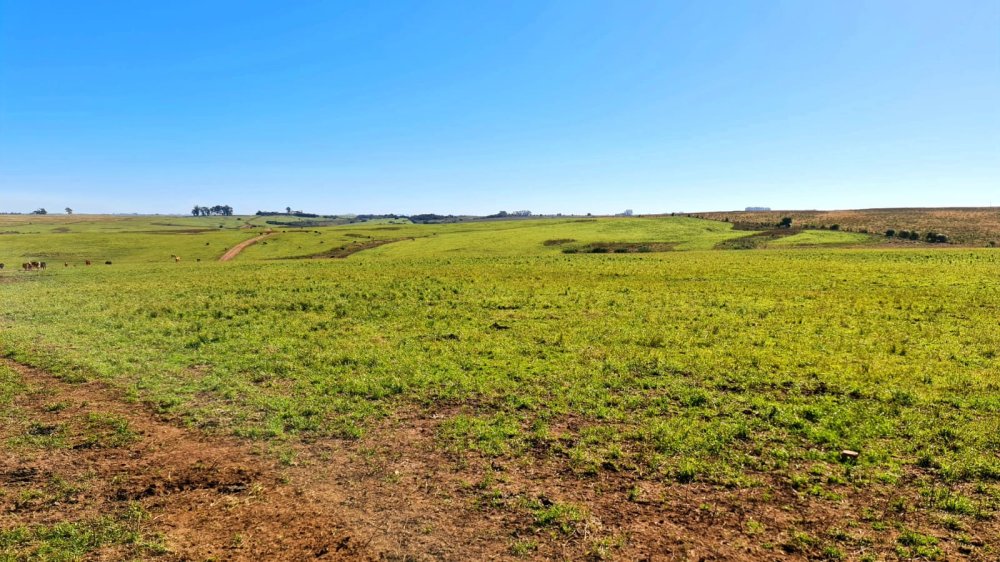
224	210
932	237
40	211
503	214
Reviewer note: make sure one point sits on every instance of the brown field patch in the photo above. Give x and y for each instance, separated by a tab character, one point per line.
397	494
977	226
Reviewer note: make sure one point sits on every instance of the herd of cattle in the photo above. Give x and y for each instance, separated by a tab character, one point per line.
37	265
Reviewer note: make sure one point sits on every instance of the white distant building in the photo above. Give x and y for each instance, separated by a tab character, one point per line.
758	209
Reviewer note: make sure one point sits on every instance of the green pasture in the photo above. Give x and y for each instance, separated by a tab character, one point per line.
74	239
692	365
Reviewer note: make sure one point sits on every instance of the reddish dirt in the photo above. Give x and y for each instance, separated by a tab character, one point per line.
235	250
353	248
396	495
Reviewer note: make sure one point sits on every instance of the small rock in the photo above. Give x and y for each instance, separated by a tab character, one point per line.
848	454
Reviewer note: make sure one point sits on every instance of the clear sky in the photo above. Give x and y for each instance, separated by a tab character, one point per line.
474	107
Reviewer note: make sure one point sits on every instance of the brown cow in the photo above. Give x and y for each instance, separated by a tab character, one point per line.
1	266
87	262
107	262
26	266
41	265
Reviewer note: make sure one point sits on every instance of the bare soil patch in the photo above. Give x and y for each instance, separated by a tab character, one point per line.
398	494
620	247
353	248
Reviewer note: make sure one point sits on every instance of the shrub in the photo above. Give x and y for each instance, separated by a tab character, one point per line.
890	233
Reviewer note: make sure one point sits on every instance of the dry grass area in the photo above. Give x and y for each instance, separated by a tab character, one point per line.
975	226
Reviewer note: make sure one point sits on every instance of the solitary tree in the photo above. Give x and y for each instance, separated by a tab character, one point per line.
785	222
69	211
288	210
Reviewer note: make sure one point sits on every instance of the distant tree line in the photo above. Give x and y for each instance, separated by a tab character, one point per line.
504	214
290	213
421	219
932	237
38	211
223	210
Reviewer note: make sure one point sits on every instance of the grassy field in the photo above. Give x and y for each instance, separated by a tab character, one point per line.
731	379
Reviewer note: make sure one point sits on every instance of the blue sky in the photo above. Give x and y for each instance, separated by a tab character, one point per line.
473	107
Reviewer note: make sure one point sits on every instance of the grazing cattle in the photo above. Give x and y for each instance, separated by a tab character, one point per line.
35	265
107	262
41	265
65	264
177	259
1	266
26	266
87	262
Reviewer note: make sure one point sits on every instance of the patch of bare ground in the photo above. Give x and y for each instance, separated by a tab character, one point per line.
219	498
620	247
399	494
537	507
352	248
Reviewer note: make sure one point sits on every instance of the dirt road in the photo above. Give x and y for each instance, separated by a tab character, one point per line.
235	250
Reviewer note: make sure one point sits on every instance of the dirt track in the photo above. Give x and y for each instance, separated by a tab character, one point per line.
235	250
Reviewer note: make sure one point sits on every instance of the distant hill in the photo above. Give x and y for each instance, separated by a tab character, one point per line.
976	226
